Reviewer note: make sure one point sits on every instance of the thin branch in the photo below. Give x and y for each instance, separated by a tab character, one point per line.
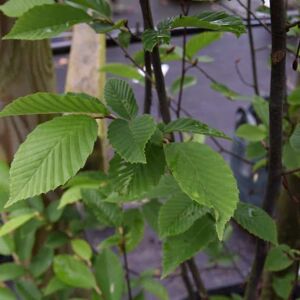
290	172
277	96
156	62
197	279
187	282
252	49
148	83
239	73
126	265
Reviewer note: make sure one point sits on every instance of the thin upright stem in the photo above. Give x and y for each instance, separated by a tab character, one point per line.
187	282
277	96
156	62
148	83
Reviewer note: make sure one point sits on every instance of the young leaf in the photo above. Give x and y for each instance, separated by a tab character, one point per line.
178	214
73	272
278	258
119	96
216	21
152	37
205	177
283	285
180	248
47	103
123	70
46	21
261	107
295	138
82	249
200	41
106	213
188	82
193	126
51	154
109	275
16	8
256	221
129	138
10	271
15	223
252	133
227	92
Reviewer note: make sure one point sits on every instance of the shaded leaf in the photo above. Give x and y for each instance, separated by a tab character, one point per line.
278	258
129	139
188	81
10	271
256	221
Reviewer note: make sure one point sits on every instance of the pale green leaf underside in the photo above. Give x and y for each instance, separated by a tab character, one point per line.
205	177
47	103
14	223
120	97
122	70
16	8
180	248
47	21
51	154
178	214
256	221
129	138
193	126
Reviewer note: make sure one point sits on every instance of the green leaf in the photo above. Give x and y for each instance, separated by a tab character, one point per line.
129	138
295	138
134	228
15	223
41	262
294	97
152	37
256	221
200	41
123	70
150	211
252	133
27	290
178	249
82	249
10	271
132	181
261	107
7	245
283	285
178	214
16	8
6	294
187	82
193	126
106	213
53	213
102	7
73	272
216	21
119	96
291	158
46	21
109	275
227	92
124	38
155	288
205	177
278	258
54	286
51	154
47	103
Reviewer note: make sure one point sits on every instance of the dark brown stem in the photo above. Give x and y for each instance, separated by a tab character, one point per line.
156	62
277	95
187	282
202	292
126	265
252	49
148	83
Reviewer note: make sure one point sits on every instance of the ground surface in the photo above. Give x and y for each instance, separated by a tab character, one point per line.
207	106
